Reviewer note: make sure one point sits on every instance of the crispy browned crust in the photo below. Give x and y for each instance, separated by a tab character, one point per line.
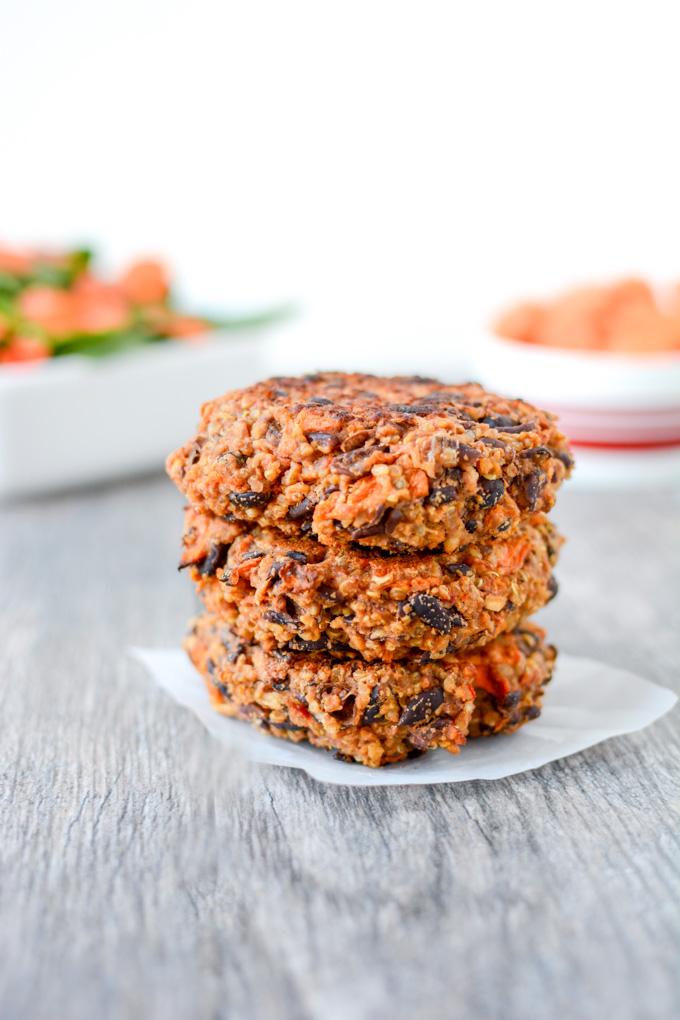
298	594
397	463
372	713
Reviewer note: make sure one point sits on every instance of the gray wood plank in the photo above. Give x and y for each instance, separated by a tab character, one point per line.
145	872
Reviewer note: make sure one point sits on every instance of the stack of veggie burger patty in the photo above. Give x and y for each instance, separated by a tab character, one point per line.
367	551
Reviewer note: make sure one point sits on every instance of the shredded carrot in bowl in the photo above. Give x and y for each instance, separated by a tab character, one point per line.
627	317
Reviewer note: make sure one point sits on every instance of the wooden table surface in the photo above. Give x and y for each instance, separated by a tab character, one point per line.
146	873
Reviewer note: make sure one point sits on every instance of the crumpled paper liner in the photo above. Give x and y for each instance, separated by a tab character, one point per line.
586	702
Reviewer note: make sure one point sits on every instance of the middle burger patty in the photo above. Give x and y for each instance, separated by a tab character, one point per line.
298	594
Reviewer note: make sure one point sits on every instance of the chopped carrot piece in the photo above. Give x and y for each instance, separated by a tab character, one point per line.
511	555
417	483
48	307
576	320
24	348
145	282
641	329
14	262
183	326
521	323
101	309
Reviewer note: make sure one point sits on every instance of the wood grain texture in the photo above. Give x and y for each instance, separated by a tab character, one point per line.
146	873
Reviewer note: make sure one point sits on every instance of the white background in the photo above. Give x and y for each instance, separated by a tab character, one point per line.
402	169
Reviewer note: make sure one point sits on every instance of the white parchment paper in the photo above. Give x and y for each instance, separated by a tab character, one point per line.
586	702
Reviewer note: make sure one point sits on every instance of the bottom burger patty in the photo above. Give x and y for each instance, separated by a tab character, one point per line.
374	713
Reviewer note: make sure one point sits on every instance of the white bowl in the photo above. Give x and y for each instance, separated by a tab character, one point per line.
77	420
620	411
580	379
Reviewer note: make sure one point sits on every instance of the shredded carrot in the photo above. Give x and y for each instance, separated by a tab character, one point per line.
624	316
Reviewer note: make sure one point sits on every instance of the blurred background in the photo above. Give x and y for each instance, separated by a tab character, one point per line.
401	172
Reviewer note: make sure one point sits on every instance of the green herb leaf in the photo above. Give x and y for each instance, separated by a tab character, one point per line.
98	345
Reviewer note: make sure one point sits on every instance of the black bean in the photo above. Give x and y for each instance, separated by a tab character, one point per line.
503	527
298	644
374	527
331	489
373	709
326	440
305	508
417	409
430	610
458	568
496	443
493	489
280	685
532	712
471	526
421	706
537	453
553	587
216	558
533	486
359	439
339	756
318	400
467	452
445	494
565	457
284	726
511	699
192	563
282	619
503	423
392	519
499	421
223	689
353	462
366	530
527	426
228	517
296	555
254	554
250	499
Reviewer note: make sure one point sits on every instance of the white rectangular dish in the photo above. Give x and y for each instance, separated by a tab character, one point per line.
75	421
